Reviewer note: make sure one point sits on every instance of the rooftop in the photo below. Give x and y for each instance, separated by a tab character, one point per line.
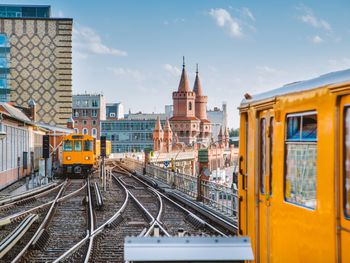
25	11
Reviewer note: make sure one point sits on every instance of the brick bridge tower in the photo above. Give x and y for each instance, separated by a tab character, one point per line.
184	121
201	111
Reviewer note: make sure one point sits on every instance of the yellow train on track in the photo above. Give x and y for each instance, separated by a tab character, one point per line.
294	175
80	154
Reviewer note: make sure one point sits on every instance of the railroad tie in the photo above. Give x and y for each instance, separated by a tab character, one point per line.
116	222
41	239
197	222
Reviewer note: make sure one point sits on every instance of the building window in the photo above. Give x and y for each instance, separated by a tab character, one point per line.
94	123
94	132
84	113
94	103
93	113
301	155
76	130
76	113
112	115
84	122
346	164
85	131
190	105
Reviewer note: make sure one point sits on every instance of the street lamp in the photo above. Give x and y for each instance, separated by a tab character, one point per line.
2	132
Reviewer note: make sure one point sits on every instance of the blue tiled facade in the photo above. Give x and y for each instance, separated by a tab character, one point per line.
4	68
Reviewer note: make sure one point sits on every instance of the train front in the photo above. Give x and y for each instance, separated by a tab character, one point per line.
78	155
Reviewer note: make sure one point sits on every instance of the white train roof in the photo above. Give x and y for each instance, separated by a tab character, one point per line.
323	80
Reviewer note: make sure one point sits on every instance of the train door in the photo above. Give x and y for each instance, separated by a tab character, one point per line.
264	174
344	181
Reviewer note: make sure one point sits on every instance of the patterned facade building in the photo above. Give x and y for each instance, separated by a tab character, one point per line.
40	60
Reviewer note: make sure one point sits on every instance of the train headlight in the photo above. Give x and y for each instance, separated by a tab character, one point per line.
87	158
68	158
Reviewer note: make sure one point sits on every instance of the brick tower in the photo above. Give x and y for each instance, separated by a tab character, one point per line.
158	136
168	137
201	111
184	121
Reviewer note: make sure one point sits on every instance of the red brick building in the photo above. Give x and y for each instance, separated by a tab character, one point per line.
88	111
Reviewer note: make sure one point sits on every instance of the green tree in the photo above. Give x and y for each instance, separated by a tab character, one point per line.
234	132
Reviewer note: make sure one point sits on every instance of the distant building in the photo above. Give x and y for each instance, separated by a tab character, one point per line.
169	111
88	111
114	111
218	119
40	60
132	134
189	121
4	69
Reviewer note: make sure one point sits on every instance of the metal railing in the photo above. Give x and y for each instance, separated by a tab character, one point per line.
220	197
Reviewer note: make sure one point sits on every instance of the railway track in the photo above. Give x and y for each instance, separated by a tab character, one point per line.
175	218
27	203
43	240
67	227
6	192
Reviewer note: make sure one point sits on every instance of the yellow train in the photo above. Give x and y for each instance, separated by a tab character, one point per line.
294	175
79	154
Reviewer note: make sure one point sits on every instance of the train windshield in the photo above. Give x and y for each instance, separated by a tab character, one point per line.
67	146
77	146
87	146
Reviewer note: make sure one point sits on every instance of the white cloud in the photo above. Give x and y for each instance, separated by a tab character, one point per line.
173	70
87	41
266	69
246	12
126	72
225	20
309	18
316	39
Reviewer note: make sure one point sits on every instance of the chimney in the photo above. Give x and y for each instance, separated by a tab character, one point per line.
32	110
70	123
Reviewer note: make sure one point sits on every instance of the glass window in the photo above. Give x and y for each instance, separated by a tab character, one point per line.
87	146
85	131
77	146
94	132
346	177
301	156
271	153
190	105
67	146
262	160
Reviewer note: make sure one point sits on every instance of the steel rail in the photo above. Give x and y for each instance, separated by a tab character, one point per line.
153	221
96	231
178	205
11	240
92	227
31	193
27	198
10	219
43	224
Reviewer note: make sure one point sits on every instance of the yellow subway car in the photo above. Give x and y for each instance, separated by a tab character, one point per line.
78	155
294	175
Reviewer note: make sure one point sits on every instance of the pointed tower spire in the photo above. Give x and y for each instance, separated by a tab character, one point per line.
158	125
167	125
197	88
184	85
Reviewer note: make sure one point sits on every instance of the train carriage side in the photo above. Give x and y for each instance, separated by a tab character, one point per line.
294	181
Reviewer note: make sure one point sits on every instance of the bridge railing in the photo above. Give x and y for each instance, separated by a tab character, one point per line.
134	165
220	197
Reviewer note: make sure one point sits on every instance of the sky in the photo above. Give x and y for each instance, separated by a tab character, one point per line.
131	51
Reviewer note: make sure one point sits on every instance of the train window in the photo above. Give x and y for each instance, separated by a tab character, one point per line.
87	146
271	156
262	154
346	177
77	146
67	146
301	154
